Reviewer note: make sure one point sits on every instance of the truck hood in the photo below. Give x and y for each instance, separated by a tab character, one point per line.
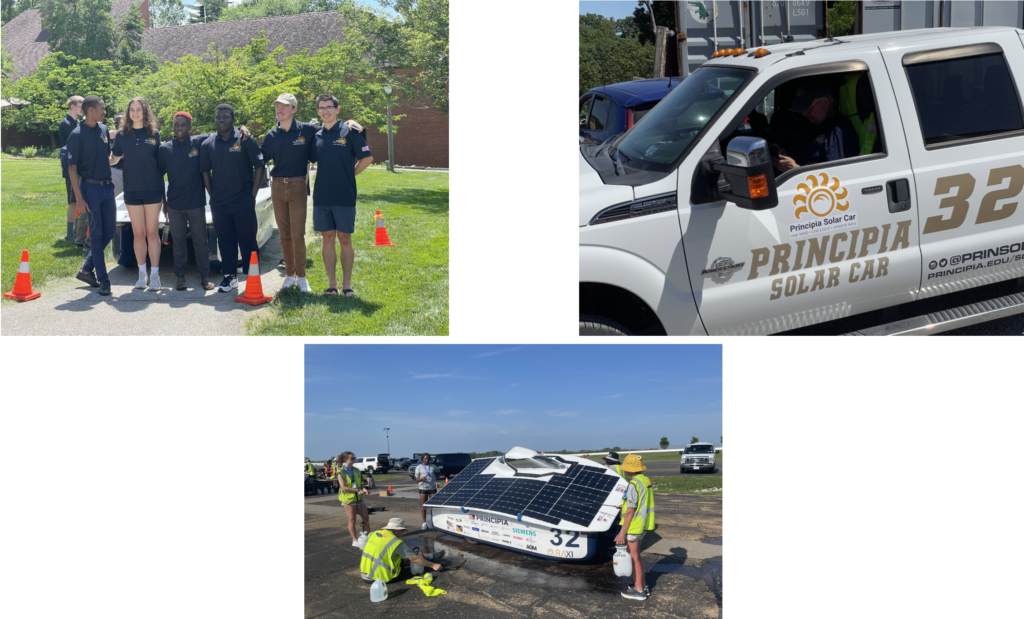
595	196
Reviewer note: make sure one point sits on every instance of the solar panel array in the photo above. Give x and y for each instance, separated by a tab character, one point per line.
574	496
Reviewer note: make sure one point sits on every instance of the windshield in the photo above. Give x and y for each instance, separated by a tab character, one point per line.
699	449
662	137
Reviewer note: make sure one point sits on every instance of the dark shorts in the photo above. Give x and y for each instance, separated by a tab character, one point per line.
340	218
71	191
429	492
138	198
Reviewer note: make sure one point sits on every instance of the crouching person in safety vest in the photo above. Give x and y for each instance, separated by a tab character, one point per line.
637	519
384	551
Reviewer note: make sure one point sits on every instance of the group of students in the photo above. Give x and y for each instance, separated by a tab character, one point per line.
384	551
230	167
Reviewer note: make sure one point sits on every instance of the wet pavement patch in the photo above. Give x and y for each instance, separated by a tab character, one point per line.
709	571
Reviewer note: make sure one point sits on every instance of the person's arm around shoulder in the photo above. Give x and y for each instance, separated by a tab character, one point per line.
361	151
116	152
256	160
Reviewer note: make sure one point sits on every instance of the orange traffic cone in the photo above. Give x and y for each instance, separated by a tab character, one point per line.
253	285
382	232
389	488
23	283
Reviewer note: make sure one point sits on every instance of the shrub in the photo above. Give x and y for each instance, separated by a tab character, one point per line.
54	154
11	150
29	151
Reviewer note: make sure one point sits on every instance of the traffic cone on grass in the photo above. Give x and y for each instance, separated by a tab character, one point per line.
23	283
382	232
253	285
389	489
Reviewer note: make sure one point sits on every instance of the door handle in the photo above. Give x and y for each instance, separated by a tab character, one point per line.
898	192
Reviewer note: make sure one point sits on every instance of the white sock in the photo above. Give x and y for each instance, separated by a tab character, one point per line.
142	270
154	272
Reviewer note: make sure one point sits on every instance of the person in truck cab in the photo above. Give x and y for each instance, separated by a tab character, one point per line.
832	138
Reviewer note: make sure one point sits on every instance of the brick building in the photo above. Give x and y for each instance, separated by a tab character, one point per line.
423	136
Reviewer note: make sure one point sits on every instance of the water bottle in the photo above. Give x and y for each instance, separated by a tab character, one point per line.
165	238
622	561
378	591
416	568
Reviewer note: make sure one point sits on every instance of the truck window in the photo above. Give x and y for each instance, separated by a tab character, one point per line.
816	120
964	98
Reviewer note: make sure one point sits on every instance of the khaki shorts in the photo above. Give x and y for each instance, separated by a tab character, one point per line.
636	538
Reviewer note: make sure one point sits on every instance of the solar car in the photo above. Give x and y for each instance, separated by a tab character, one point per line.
607	111
550	506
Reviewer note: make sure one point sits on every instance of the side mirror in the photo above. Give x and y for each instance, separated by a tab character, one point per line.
747	169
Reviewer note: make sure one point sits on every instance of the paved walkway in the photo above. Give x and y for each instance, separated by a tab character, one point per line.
70	307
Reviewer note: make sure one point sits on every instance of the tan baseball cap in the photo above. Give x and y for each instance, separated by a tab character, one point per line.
287	98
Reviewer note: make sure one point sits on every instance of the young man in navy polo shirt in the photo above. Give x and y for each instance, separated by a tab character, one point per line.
77	221
288	145
340	155
89	170
237	169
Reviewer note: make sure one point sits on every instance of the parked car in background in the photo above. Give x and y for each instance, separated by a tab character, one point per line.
607	111
449	465
373	464
698	457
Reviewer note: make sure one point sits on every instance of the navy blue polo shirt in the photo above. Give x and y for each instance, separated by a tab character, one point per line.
89	149
180	162
335	152
835	139
141	178
232	163
64	130
288	149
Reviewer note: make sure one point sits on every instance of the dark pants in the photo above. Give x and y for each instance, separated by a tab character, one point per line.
235	225
102	216
194	220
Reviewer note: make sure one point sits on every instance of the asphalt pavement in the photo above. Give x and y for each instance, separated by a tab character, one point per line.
71	307
683	557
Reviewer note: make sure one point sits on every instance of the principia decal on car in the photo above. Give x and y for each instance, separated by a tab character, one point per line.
822	197
972	261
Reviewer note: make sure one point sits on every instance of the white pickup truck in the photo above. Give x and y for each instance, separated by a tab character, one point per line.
690	226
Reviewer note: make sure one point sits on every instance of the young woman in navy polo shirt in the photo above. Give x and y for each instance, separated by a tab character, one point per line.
137	142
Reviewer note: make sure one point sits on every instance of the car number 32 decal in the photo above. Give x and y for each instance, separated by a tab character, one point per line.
964	186
568	543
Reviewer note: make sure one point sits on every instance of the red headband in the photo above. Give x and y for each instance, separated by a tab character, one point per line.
185	114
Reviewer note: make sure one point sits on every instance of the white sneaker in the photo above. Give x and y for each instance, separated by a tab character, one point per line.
289	282
424	526
154	282
304	285
356	544
142	283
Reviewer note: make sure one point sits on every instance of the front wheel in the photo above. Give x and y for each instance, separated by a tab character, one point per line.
599	325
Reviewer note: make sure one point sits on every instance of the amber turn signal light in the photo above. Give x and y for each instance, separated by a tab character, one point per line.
758	186
761	53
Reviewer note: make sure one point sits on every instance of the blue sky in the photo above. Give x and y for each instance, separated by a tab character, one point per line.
441	398
618	9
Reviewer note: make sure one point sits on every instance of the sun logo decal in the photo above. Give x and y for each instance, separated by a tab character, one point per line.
820	197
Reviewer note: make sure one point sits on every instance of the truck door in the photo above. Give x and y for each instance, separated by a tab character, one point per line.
962	112
843	238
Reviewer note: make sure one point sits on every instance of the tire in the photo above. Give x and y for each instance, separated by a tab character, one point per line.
598	325
682	471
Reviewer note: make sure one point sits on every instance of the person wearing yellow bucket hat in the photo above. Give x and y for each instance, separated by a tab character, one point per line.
637	519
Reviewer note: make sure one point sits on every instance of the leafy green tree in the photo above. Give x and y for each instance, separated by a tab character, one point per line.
265	8
841	18
9	9
610	52
164	13
58	77
129	43
79	28
409	53
6	68
664	15
694	439
664	442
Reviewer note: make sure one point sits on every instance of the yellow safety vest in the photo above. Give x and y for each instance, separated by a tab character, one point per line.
379	560
643	518
867	129
618	469
357	482
309	469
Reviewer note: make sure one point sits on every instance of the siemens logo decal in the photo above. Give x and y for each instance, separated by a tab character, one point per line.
524	532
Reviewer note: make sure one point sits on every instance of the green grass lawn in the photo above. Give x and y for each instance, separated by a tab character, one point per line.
32	199
401	290
687	484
